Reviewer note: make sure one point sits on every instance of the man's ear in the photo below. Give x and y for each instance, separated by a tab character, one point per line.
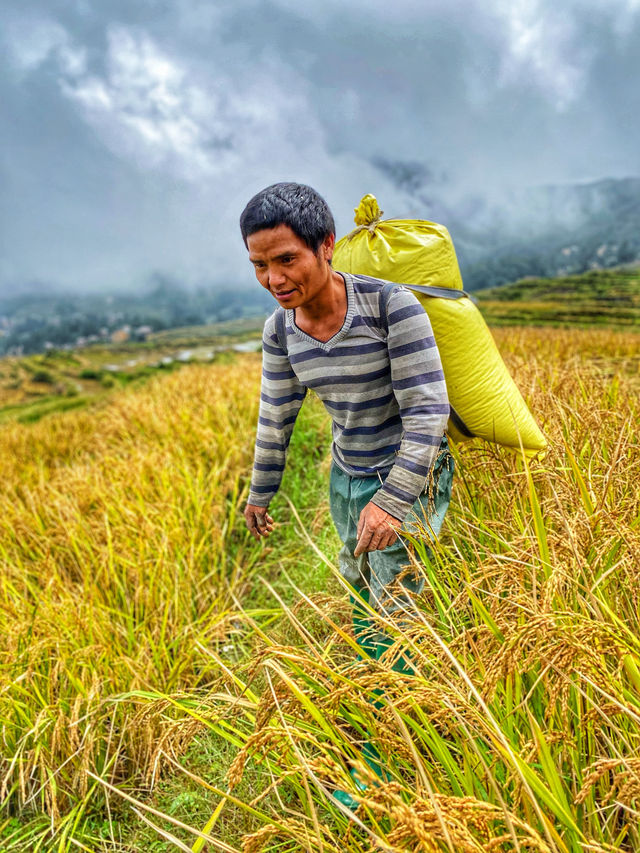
327	246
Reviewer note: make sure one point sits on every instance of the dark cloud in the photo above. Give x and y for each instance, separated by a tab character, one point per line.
134	133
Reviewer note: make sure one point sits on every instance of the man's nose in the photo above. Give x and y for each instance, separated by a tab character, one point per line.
276	277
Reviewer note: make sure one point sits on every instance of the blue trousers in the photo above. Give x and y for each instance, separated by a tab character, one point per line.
382	577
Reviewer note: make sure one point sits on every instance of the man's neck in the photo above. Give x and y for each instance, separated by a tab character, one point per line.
325	315
331	300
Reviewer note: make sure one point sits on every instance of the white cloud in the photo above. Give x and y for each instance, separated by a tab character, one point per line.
161	112
625	17
543	48
31	42
204	137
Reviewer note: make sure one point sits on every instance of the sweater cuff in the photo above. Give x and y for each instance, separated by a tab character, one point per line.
399	509
259	500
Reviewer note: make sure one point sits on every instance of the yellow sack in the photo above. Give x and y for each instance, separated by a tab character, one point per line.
484	398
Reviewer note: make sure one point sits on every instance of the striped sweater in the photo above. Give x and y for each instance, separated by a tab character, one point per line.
385	393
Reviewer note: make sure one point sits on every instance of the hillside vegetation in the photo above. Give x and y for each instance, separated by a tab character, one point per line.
166	683
606	298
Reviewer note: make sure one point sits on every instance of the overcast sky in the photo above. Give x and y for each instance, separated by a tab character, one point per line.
133	131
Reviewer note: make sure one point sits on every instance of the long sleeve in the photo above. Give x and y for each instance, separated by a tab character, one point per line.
420	390
281	396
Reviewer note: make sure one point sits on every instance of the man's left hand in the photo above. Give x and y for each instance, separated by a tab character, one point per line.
376	529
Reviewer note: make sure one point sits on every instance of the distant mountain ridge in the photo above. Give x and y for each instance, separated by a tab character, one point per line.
545	231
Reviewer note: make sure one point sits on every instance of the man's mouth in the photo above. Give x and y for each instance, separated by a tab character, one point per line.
283	294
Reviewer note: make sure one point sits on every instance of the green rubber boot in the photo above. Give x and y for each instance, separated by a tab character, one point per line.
346	798
363	627
371	756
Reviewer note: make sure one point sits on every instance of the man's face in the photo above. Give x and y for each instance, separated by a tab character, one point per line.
287	267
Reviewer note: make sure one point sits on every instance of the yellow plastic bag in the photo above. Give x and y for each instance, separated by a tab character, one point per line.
485	400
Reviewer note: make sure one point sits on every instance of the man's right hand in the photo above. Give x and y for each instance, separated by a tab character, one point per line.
258	520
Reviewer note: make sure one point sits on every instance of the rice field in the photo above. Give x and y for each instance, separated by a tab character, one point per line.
168	684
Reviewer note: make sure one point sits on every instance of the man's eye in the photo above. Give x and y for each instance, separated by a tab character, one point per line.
287	259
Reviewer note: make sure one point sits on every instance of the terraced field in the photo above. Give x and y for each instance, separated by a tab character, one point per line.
602	298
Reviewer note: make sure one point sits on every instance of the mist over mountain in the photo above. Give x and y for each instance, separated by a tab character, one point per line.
545	230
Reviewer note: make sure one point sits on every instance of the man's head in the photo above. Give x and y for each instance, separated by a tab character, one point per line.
298	206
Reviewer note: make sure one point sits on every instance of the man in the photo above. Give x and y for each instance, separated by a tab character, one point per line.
369	354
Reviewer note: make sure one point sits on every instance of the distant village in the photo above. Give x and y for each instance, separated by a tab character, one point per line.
41	322
121	335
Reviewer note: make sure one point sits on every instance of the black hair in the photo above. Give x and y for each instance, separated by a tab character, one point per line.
296	205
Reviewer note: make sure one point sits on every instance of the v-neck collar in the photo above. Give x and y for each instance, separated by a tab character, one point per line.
342	331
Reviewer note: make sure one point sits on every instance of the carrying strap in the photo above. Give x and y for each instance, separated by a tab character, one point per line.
281	330
385	295
440	292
